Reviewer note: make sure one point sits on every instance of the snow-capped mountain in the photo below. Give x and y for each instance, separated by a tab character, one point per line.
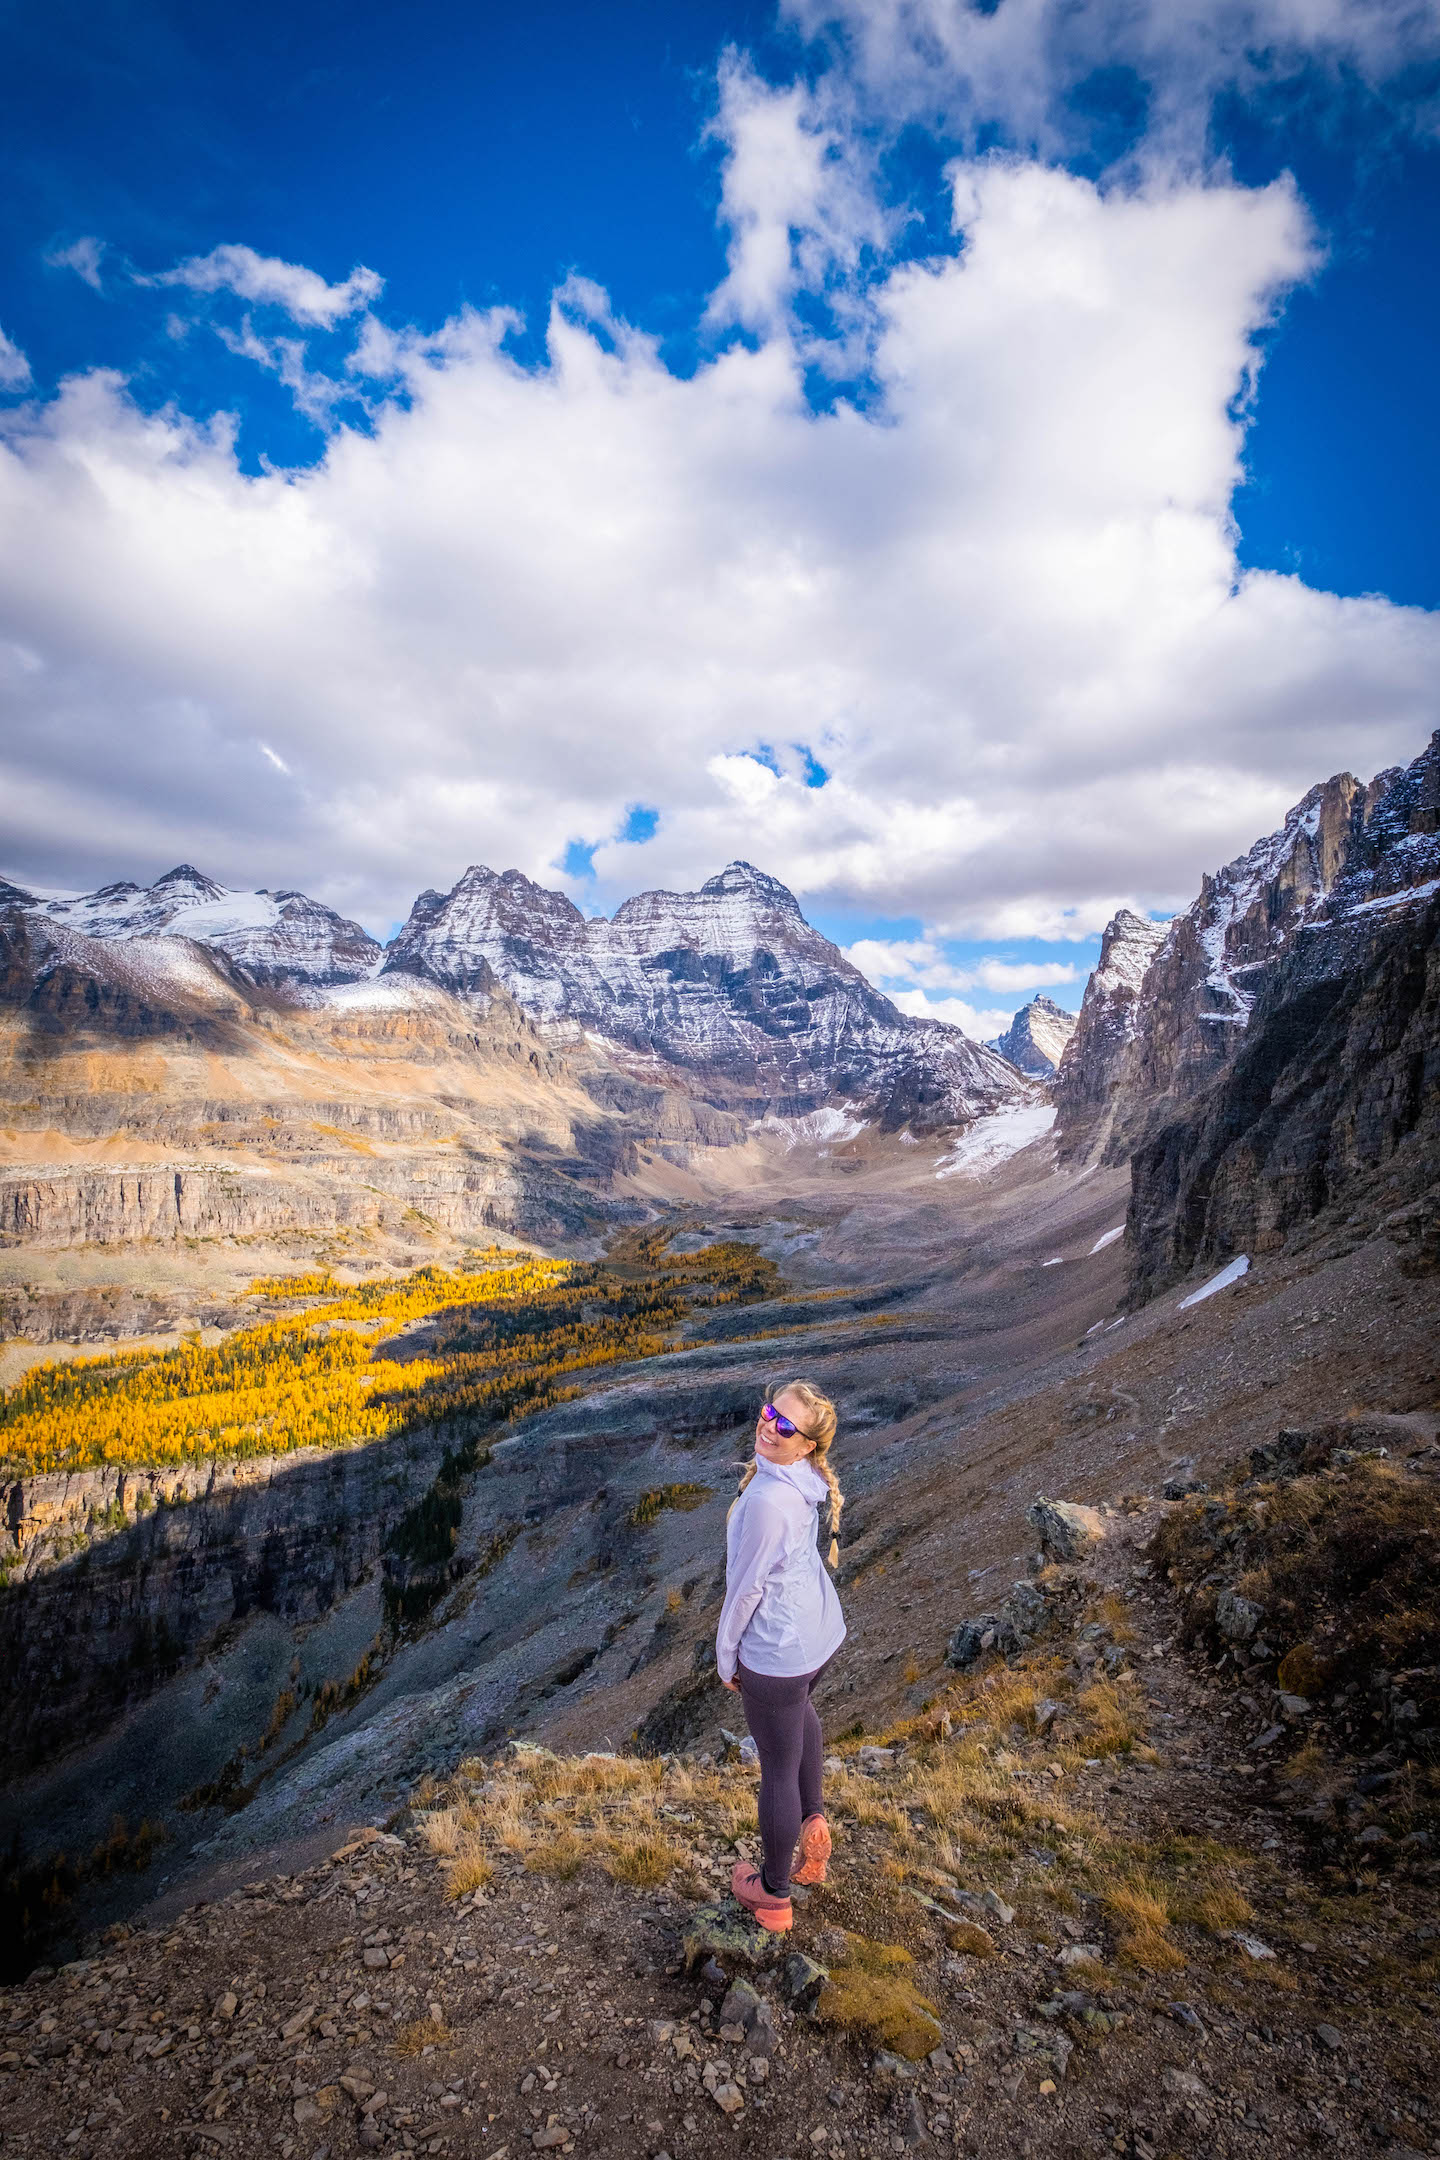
1035	1040
277	939
1169	1006
729	982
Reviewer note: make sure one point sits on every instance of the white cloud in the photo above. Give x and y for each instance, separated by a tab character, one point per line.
14	367
1000	602
795	194
274	756
981	1023
83	257
919	963
1018	65
302	294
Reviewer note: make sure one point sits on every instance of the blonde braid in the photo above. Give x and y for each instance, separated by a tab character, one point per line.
821	1430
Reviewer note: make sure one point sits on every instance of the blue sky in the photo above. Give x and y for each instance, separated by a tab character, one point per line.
477	158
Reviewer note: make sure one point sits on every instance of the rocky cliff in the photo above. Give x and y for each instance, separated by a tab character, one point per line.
730	984
1036	1038
1322	1087
1168	1008
115	1579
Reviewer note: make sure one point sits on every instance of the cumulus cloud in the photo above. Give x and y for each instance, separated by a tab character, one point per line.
302	294
14	367
995	602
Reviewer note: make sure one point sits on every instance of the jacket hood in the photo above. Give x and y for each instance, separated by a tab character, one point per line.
799	1475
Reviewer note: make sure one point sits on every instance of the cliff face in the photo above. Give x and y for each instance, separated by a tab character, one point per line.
1036	1038
116	1579
1093	1064
1168	1008
730	983
1330	1080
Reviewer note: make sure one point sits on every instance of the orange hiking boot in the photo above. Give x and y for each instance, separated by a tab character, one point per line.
748	1888
814	1852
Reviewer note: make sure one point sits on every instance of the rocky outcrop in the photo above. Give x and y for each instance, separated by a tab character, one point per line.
1036	1038
1093	1063
1333	1080
730	984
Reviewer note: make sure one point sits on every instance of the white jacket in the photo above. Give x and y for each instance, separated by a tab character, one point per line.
781	1615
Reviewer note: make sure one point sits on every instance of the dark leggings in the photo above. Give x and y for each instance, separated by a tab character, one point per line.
786	1732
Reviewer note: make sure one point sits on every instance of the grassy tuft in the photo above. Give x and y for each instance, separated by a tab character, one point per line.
871	1992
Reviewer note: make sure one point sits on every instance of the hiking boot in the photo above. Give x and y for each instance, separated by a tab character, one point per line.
814	1852
748	1888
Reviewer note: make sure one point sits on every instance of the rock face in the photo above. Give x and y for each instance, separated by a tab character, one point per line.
729	983
170	1560
1095	1060
1036	1038
1326	1073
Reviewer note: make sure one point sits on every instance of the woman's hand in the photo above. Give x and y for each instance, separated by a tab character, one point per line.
733	1685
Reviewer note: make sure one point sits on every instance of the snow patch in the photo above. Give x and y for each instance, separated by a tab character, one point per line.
1232	1273
829	1127
1108	1239
1052	1263
1394	900
994	1139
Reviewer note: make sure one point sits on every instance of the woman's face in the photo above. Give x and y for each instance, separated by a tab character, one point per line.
782	1448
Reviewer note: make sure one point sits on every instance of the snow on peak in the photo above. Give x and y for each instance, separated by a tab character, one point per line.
273	937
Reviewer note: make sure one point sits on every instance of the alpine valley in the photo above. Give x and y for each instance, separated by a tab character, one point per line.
381	1330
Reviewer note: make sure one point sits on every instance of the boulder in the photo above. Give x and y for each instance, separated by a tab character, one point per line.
1065	1529
1237	1617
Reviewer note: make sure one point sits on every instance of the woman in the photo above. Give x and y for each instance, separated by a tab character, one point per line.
780	1627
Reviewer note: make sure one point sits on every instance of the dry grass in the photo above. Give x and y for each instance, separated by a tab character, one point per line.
413	2039
871	1991
1140	1909
1110	1726
970	1940
644	1860
470	1872
1219	1907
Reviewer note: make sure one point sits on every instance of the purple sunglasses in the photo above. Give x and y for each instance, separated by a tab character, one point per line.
782	1425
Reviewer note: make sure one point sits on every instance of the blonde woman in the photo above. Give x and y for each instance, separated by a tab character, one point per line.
780	1626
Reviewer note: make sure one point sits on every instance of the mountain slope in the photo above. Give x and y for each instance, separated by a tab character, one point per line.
1036	1038
729	983
276	939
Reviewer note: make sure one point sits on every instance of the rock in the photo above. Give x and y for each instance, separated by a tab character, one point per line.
1252	1946
992	1903
1065	1530
1046	1712
971	1640
377	1960
1237	1617
727	2097
1184	2015
1294	1706
1081	1954
552	2135
1049	2046
1183	2084
832	1765
801	1980
892	2068
723	1931
914	2131
876	1758
1330	2038
829	1945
